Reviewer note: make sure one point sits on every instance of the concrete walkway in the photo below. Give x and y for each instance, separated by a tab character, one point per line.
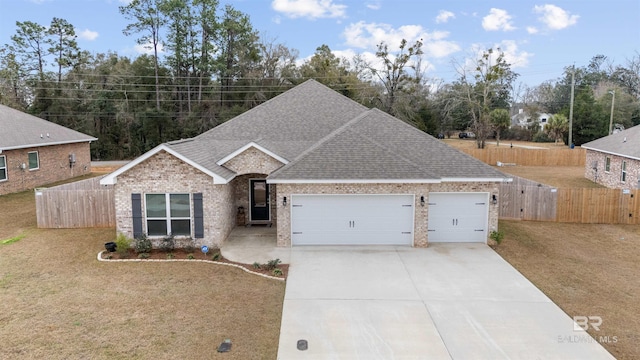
450	301
254	244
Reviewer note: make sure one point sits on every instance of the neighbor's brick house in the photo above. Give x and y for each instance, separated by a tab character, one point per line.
320	167
35	152
614	160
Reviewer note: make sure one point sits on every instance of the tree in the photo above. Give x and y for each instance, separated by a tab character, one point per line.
148	19
486	86
63	44
238	51
500	120
557	127
394	75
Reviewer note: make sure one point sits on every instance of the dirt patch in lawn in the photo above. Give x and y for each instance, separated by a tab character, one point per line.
57	301
588	270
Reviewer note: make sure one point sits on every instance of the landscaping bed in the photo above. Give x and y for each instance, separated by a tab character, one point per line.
214	256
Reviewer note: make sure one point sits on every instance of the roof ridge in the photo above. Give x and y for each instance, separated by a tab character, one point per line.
331	135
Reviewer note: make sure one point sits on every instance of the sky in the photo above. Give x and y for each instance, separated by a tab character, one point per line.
539	38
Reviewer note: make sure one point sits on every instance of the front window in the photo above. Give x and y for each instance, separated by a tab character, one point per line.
3	168
607	164
623	177
34	161
168	214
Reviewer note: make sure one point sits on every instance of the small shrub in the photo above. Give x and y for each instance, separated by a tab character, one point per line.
276	272
123	243
189	247
497	236
144	255
217	256
542	137
190	256
168	243
256	265
143	244
109	257
272	264
170	256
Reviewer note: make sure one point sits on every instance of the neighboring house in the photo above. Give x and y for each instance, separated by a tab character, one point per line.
320	167
35	152
524	120
614	160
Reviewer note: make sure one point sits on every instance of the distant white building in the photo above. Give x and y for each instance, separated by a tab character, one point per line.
524	120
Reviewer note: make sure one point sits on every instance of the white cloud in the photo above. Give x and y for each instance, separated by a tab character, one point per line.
147	48
309	8
444	16
555	18
368	35
497	19
374	5
532	30
87	34
514	56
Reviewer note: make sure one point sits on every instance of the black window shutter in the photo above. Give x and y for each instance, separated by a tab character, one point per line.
136	215
198	218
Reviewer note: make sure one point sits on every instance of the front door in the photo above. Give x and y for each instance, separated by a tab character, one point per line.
259	200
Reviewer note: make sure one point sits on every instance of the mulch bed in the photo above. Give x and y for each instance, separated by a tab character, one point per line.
181	254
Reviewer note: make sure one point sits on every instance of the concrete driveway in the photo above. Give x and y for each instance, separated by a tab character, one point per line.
450	301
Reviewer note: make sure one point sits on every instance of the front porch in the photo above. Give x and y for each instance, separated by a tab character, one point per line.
249	244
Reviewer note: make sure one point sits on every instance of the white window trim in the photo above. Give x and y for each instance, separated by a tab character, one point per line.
168	217
5	167
37	160
623	174
607	163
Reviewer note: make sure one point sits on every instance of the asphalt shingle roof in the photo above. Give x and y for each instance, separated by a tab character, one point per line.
21	130
327	136
625	143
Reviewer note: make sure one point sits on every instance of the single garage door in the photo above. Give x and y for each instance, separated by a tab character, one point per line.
458	217
352	219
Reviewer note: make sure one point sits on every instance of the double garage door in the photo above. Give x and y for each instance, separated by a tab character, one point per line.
386	219
352	219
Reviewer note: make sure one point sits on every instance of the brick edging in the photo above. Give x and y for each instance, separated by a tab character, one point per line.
190	260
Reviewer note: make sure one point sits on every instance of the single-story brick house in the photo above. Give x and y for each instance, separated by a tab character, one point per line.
35	152
320	167
614	160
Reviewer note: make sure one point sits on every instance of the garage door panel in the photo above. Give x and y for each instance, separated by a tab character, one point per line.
458	217
352	219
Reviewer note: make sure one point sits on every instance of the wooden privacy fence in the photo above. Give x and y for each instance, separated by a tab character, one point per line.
529	157
80	204
527	200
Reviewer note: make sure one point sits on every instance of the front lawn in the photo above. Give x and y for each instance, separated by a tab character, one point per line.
587	270
58	302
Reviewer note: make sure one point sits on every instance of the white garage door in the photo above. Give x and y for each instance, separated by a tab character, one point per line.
458	217
352	219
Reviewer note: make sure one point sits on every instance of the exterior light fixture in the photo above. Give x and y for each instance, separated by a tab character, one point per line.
422	200
284	201
494	199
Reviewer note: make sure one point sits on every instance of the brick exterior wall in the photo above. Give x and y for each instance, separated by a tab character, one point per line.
253	161
241	195
613	178
421	212
54	166
164	173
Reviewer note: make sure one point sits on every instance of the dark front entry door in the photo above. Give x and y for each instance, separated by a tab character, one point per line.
259	200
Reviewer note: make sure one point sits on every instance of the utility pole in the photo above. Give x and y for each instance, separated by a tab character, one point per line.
613	101
573	85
